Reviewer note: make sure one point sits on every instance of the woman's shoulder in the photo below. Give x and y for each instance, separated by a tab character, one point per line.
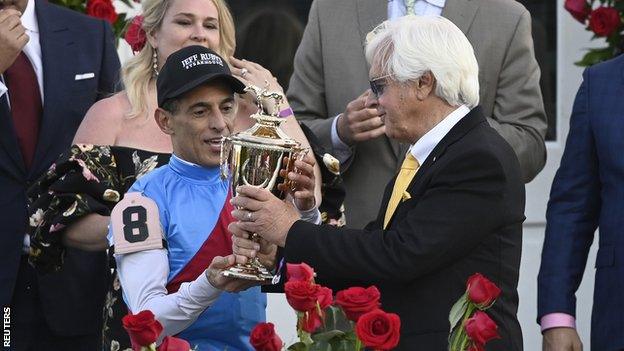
103	120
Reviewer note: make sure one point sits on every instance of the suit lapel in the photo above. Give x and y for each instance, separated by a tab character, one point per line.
461	12
56	42
468	122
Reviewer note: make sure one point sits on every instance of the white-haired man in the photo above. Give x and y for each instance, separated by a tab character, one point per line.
455	208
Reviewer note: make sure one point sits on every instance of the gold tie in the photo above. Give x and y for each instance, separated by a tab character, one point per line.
408	170
409	7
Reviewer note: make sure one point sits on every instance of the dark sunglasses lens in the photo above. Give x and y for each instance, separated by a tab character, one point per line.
376	87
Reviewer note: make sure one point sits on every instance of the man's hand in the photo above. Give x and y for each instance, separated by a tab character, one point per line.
13	37
360	121
213	273
244	248
561	339
262	213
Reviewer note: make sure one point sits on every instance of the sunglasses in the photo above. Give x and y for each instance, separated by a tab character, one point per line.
378	85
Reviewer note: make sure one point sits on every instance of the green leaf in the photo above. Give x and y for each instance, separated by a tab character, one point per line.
326	336
457	311
321	346
343	344
594	56
299	346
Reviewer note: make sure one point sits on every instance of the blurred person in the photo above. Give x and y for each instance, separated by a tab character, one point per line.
328	89
185	205
455	208
119	142
55	63
270	36
586	195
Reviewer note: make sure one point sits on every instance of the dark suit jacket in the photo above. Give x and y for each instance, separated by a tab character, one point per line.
588	193
465	215
71	44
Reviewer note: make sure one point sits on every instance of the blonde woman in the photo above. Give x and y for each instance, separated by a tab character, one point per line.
130	144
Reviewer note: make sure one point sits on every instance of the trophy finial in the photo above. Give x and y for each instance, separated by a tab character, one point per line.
261	95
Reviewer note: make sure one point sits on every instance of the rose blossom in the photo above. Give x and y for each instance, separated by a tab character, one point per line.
579	9
135	35
480	328
310	321
356	301
379	330
481	291
171	343
299	272
142	327
604	21
301	295
103	9
264	338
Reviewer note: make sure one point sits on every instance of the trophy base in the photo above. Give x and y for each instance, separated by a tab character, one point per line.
254	273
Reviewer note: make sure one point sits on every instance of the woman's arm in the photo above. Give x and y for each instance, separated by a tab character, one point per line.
88	233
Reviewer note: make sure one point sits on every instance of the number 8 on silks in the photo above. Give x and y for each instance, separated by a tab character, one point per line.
135	224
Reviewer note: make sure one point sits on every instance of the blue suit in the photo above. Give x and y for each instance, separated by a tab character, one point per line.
71	44
588	192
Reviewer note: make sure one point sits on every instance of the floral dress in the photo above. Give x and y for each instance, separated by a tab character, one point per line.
86	179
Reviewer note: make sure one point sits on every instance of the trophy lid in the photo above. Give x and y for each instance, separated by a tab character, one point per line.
265	133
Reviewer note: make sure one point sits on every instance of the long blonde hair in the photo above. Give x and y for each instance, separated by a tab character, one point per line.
137	72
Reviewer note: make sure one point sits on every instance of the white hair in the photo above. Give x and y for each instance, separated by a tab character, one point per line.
410	46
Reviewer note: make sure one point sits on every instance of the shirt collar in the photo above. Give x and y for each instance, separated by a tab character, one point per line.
193	171
438	3
29	19
423	147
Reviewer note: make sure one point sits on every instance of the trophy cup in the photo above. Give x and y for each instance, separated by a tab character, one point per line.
255	157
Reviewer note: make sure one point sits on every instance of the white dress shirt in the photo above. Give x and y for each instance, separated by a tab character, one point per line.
423	147
32	48
396	8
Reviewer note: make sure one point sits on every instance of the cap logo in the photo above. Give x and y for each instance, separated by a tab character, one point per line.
201	59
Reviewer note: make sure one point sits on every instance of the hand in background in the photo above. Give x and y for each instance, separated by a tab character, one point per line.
301	182
13	37
251	73
360	121
561	339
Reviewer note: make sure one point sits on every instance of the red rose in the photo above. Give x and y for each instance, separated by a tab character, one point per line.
310	321
379	330
480	328
264	338
103	9
356	301
301	295
171	343
135	35
481	291
324	297
579	9
604	21
142	328
299	272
